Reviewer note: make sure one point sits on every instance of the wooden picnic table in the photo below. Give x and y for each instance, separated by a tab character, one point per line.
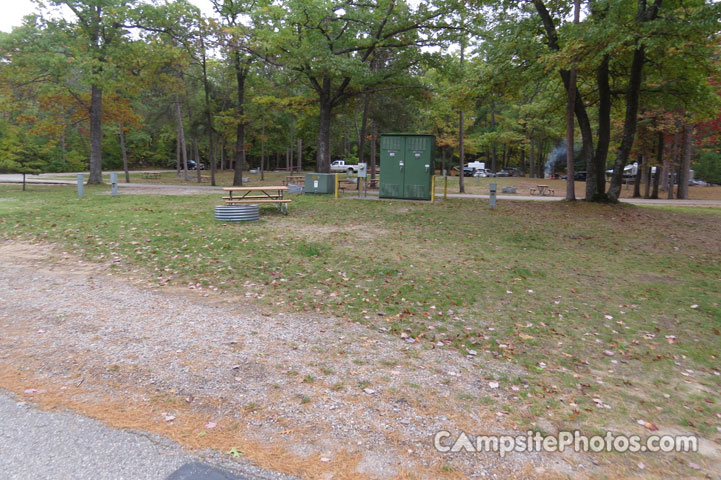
261	194
542	190
295	180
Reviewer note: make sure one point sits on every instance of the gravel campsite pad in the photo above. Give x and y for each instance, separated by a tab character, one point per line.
315	396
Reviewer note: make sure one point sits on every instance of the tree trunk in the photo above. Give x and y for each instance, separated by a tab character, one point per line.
208	117
443	161
62	143
291	147
685	167
374	140
645	13
640	165
362	134
596	171
659	162
531	160
570	107
656	181
645	175
262	149
239	157
222	156
461	155
584	124
96	136
461	133
630	122
197	158
300	154
123	153
181	138
177	155
494	164
671	171
323	156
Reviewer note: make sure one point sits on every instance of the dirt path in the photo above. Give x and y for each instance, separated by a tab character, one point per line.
313	396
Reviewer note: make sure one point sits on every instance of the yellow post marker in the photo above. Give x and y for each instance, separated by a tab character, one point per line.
336	185
433	189
445	187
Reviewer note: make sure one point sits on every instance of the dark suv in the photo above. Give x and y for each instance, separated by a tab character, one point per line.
509	172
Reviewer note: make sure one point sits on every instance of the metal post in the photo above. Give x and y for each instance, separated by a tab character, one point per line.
80	186
433	189
114	183
492	198
336	185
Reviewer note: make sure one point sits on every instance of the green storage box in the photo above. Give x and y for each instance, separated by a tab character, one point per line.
407	166
319	183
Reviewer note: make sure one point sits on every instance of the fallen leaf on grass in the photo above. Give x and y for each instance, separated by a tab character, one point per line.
647	425
671	339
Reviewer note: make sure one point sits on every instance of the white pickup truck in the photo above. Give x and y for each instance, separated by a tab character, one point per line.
339	166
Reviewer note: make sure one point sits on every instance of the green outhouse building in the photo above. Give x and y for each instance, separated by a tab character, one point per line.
407	166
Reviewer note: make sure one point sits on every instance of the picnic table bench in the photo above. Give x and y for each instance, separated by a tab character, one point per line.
151	174
268	194
295	180
542	190
347	184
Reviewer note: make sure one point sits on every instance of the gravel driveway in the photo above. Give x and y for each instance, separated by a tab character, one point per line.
313	396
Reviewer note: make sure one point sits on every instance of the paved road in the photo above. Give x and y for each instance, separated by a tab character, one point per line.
36	444
153	188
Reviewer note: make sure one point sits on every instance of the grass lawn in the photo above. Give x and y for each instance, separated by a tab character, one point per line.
611	312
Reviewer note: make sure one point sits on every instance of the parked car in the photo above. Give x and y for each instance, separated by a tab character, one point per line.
191	165
339	166
509	172
578	176
483	173
467	171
